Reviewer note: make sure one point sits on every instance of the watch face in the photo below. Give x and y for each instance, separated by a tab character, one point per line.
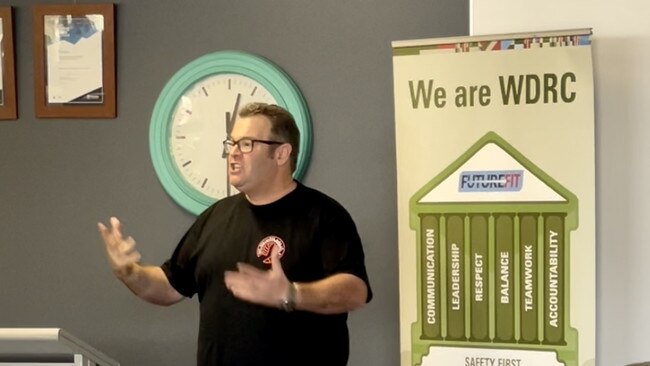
202	119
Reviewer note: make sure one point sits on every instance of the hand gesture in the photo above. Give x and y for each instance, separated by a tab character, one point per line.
122	255
259	286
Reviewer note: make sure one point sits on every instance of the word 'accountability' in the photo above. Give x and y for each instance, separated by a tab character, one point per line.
521	89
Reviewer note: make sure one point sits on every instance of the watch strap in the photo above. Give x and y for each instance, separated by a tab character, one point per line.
288	302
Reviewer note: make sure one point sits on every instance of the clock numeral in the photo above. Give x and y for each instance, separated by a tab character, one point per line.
253	92
229	84
205	181
204	91
187	163
180	137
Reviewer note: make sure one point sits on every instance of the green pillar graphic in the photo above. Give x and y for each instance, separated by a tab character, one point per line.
528	286
455	265
503	264
430	290
480	266
554	279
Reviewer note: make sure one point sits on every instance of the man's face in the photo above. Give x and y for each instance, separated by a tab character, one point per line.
249	172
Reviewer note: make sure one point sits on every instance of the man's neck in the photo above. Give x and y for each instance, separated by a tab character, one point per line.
273	194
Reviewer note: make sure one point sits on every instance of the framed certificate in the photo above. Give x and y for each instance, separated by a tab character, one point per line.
74	61
7	69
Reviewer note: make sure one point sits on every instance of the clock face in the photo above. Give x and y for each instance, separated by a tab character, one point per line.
201	120
195	113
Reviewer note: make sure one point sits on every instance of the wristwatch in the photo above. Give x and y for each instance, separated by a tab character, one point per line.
288	302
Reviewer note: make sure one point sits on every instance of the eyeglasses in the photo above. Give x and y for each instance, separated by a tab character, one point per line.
245	145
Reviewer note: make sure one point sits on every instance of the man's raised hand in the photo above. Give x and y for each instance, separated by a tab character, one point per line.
121	252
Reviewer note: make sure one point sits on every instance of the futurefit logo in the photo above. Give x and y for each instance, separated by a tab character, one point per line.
491	181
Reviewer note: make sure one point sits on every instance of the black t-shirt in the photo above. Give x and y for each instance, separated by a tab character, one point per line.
319	239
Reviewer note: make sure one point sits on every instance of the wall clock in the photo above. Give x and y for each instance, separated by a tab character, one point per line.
195	113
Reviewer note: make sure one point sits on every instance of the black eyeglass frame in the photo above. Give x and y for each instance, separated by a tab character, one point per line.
229	144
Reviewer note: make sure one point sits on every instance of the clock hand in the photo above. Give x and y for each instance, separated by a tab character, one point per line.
228	130
234	114
225	156
230	121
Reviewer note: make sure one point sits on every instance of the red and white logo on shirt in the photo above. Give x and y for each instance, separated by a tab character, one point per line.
265	247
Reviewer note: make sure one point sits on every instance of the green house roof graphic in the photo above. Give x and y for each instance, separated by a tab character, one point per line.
493	176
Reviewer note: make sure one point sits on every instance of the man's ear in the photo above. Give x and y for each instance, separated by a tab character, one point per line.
283	153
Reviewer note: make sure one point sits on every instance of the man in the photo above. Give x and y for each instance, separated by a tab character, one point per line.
276	267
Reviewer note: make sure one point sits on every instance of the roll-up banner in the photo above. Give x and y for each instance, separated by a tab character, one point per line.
496	199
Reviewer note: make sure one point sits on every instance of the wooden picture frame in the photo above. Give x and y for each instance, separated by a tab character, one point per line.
8	109
74	61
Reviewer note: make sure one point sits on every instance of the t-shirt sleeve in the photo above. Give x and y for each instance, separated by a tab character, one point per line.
342	251
180	269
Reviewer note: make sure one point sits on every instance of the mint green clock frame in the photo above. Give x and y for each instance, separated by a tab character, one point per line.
269	75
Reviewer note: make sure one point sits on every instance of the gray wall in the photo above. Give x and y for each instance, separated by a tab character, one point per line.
61	176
